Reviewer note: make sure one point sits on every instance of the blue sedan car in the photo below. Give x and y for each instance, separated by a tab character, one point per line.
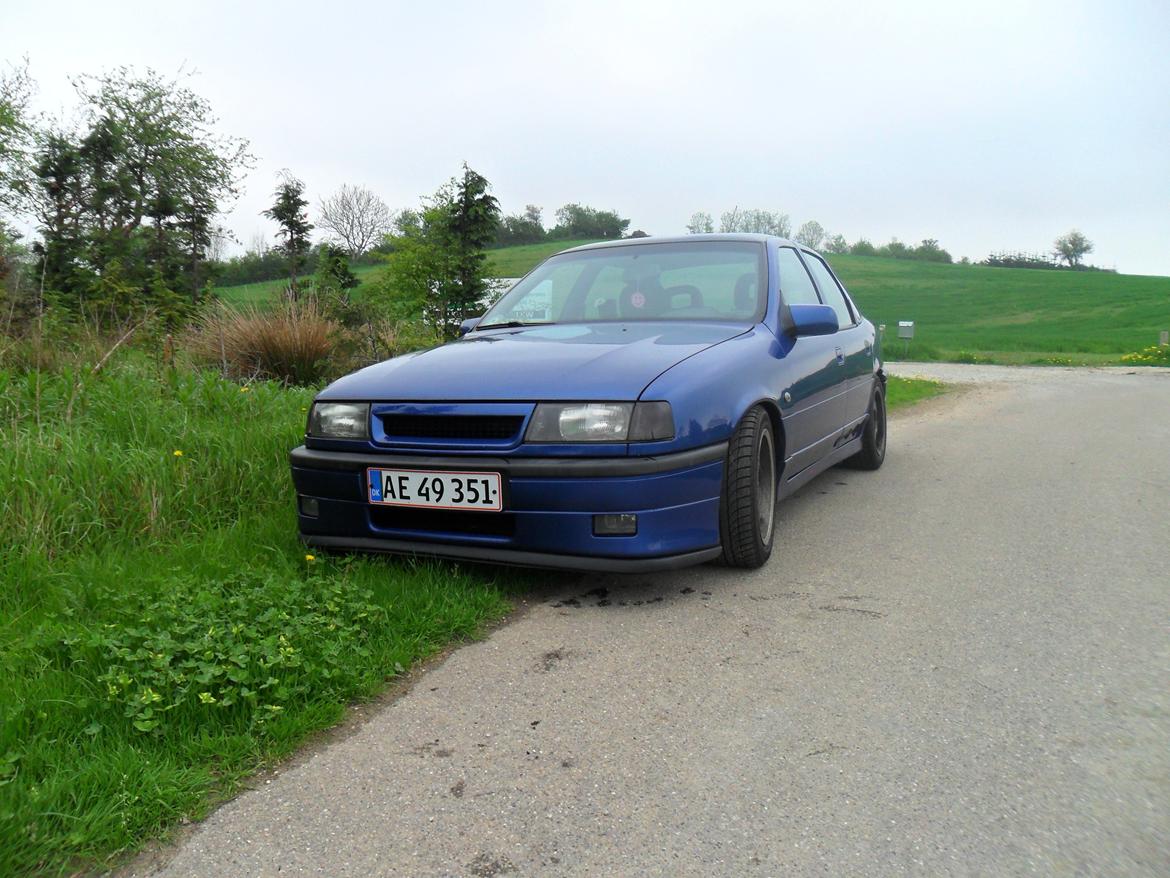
630	405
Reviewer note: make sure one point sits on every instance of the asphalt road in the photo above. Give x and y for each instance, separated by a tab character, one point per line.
957	665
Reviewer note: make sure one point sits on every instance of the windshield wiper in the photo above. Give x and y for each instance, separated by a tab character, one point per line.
512	324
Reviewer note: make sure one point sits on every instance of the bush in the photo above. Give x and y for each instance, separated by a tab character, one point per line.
291	343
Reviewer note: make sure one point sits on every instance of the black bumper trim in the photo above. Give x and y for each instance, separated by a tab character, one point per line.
515	557
520	467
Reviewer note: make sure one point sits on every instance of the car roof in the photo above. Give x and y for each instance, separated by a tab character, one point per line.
682	239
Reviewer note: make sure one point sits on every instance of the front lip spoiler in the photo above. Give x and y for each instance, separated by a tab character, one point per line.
515	557
519	467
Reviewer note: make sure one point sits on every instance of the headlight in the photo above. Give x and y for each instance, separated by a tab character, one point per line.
600	422
339	420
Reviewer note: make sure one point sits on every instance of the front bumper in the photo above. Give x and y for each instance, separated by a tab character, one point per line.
548	517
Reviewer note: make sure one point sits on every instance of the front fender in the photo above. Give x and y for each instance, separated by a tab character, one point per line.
712	390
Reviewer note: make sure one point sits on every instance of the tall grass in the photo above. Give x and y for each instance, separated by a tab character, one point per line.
162	632
291	343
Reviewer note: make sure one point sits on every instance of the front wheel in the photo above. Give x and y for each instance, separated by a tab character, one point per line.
748	505
873	438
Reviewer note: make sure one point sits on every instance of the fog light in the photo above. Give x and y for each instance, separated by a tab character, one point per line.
308	506
623	524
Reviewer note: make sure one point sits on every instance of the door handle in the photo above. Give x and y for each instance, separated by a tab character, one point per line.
840	357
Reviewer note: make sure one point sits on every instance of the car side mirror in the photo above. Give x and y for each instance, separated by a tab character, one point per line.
469	324
812	320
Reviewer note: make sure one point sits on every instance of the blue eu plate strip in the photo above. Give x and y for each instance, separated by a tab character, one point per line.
375	486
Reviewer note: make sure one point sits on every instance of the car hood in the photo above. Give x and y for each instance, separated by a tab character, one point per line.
606	361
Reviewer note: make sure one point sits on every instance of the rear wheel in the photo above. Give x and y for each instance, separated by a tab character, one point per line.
748	505
873	438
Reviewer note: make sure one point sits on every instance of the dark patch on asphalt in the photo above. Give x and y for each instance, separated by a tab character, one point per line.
551	659
826	750
860	610
603	599
687	590
534	723
458	788
783	594
486	865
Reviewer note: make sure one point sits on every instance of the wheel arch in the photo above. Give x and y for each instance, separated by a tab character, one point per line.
772	407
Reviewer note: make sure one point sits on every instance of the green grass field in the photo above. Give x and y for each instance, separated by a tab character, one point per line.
162	630
962	312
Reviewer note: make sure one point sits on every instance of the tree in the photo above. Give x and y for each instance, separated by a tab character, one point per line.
356	218
579	221
436	270
930	251
700	224
289	212
836	244
524	228
810	234
16	137
1072	248
753	221
333	274
472	219
125	200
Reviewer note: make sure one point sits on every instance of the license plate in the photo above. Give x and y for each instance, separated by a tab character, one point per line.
436	490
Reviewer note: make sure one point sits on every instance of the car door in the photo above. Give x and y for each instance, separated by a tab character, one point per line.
815	414
852	343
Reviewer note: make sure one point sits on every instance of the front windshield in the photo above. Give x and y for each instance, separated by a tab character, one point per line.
701	280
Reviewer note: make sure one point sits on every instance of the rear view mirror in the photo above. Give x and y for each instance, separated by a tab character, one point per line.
469	324
812	320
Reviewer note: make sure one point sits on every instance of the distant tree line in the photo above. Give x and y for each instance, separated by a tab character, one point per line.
574	221
1068	253
811	234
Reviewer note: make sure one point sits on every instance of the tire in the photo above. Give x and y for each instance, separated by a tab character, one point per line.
873	438
747	507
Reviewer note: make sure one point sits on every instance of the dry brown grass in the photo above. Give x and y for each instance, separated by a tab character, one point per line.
293	343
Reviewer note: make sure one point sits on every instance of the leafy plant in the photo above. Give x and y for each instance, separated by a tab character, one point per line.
251	645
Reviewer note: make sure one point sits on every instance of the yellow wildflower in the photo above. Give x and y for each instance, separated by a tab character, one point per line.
178	453
310	557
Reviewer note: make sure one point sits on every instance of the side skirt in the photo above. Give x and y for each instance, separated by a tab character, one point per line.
809	473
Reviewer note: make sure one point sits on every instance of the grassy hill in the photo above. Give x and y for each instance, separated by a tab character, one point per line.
1008	314
961	312
505	262
518	261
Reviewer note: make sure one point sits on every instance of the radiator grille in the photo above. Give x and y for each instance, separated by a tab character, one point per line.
451	426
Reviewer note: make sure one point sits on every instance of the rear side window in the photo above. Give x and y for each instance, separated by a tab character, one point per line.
830	289
796	287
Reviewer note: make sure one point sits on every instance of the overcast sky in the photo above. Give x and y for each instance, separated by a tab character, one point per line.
986	125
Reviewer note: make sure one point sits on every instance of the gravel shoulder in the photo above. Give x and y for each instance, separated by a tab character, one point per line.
956	665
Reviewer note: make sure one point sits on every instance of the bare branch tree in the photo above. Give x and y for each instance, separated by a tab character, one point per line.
810	234
355	218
